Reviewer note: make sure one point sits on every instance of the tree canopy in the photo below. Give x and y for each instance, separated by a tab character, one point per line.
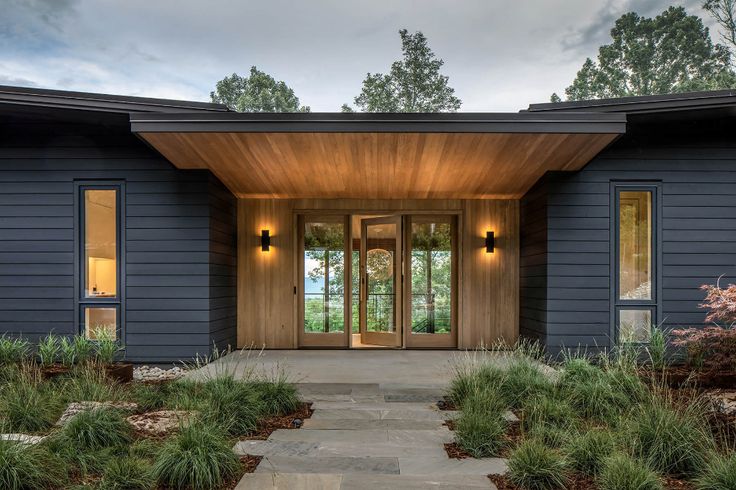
257	92
414	83
724	13
670	53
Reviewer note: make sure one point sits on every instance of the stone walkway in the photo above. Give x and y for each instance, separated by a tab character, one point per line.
366	436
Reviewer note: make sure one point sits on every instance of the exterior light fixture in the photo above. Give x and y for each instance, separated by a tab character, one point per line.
265	241
490	242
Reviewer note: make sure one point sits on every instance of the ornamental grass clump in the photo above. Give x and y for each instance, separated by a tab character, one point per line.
470	379
27	405
621	472
522	380
88	382
277	397
127	473
48	350
719	473
97	429
107	346
671	439
67	352
13	351
83	349
547	410
533	466
481	427
235	406
198	457
29	467
586	451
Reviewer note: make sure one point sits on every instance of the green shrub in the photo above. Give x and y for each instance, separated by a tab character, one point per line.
30	467
48	350
533	466
621	472
278	397
718	474
524	379
198	457
26	405
480	433
127	473
233	405
587	451
13	350
97	429
671	440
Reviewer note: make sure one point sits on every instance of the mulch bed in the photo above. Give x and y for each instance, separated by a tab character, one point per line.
267	426
454	451
250	462
447	404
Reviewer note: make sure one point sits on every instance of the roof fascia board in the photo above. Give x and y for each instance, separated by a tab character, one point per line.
380	123
100	102
642	104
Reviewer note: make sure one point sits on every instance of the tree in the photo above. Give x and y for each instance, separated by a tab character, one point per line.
670	53
258	92
414	83
724	13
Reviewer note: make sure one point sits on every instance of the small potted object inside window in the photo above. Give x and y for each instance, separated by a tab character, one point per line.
108	352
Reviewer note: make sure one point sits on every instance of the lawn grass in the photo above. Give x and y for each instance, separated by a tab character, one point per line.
595	423
98	448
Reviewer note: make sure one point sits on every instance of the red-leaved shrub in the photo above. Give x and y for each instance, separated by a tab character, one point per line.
712	347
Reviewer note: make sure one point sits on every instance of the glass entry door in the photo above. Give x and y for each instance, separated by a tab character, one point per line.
381	281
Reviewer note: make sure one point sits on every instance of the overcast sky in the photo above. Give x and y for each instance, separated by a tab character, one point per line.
500	55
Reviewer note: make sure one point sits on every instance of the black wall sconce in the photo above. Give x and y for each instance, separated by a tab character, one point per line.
490	242
265	241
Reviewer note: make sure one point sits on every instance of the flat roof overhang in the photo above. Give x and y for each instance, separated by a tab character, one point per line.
379	156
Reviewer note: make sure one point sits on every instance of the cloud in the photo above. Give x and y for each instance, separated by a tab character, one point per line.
597	32
18	82
499	55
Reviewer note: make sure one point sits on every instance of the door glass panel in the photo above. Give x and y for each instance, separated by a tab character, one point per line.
431	277
635	245
100	243
324	273
635	326
379	277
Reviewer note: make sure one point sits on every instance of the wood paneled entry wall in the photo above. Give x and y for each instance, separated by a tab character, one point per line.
487	283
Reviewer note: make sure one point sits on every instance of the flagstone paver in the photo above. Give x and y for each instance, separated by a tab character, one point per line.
366	436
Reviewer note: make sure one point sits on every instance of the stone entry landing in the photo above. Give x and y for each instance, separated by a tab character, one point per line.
366	436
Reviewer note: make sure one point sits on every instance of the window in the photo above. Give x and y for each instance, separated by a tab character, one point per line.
100	227
635	298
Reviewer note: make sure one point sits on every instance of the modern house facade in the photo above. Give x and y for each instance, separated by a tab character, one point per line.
177	226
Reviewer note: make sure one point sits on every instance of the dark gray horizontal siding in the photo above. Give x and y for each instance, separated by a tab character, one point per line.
533	264
170	298
698	242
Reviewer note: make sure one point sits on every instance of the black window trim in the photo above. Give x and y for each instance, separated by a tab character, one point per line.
655	303
82	302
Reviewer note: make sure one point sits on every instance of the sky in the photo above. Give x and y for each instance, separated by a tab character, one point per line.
500	55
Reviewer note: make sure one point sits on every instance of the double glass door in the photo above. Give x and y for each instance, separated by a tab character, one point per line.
387	281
